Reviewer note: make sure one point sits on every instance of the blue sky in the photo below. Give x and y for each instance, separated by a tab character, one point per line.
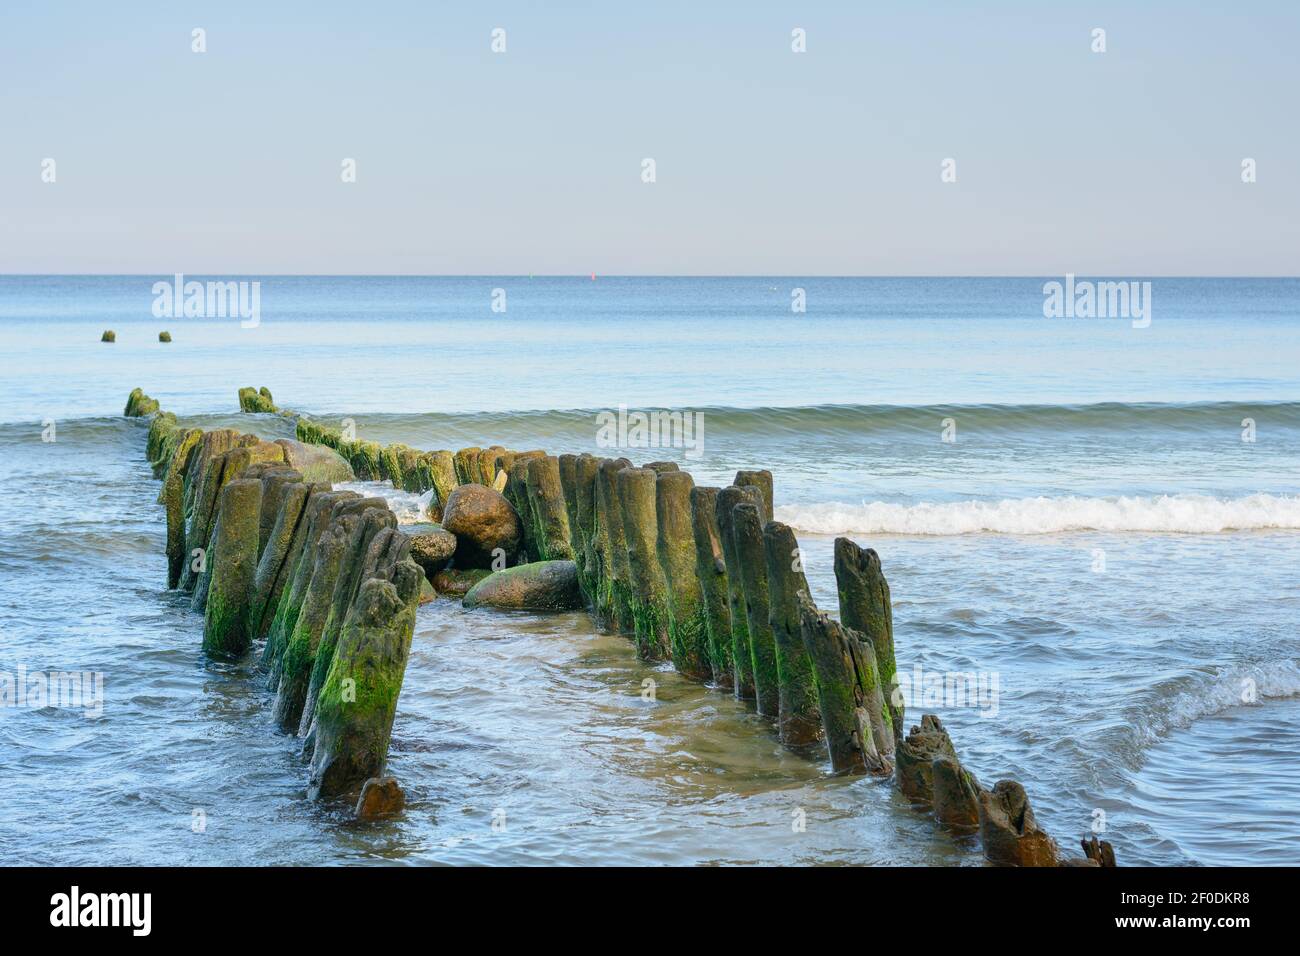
768	162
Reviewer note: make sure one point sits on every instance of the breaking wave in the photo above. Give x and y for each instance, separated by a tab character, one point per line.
1185	513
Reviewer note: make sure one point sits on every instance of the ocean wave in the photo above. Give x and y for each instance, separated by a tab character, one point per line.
858	419
1181	513
1178	703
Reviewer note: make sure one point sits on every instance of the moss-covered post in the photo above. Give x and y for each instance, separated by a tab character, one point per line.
688	626
615	570
466	463
711	572
273	566
844	666
171	497
314	523
747	528
741	656
227	631
301	645
138	404
199	498
800	722
865	607
568	465
442	477
358	700
373	539
335	566
547	510
761	479
635	488
583	527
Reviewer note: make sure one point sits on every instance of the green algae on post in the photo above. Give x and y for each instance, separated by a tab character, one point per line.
635	488
865	607
761	479
688	626
711	572
741	655
800	722
546	510
844	666
358	699
227	632
748	533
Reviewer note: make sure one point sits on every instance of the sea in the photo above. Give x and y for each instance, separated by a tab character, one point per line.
1090	527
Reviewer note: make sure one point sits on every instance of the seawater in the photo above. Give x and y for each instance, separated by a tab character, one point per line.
1097	534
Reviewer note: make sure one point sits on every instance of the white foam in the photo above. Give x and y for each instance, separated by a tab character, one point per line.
1187	513
409	507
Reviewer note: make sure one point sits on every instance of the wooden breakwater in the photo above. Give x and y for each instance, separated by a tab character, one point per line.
702	577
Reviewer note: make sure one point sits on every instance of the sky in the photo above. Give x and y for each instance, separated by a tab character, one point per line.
767	161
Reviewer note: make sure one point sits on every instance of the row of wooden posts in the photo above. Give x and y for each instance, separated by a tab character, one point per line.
266	550
705	577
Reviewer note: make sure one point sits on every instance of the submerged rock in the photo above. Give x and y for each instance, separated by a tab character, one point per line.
482	521
317	463
540	586
432	546
380	797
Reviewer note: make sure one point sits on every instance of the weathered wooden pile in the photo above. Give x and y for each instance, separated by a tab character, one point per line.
706	578
703	577
268	550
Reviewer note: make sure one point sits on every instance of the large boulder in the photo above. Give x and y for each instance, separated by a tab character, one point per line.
482	521
316	463
540	586
432	546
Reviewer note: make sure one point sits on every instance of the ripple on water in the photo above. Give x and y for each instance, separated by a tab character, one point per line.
1244	812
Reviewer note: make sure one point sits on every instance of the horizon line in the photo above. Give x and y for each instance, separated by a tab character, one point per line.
627	275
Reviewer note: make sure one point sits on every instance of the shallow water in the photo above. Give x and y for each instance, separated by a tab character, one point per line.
1159	688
